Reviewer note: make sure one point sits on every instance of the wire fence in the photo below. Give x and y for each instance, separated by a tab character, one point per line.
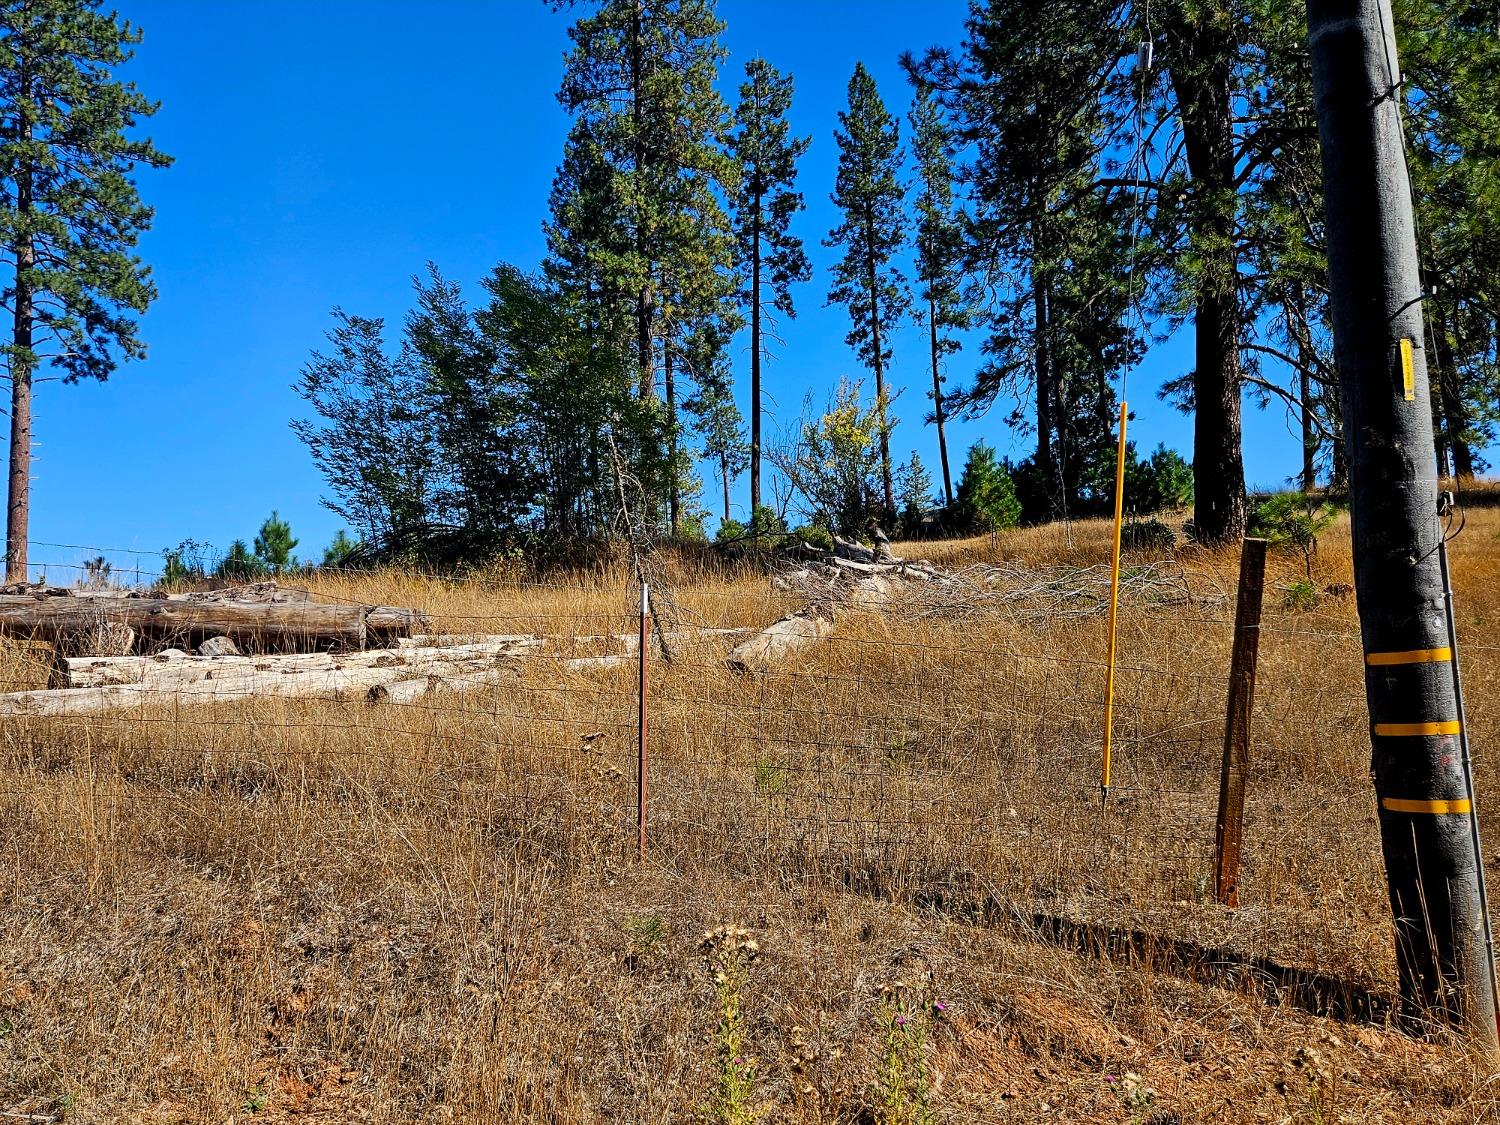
948	758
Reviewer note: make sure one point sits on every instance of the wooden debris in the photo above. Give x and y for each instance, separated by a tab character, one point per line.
218	646
780	639
297	626
173	669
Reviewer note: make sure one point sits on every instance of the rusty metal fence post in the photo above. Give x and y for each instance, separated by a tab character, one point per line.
643	656
1229	832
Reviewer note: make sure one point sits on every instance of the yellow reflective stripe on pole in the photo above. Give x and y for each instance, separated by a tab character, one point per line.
1114	609
1413	730
1401	804
1408	370
1411	656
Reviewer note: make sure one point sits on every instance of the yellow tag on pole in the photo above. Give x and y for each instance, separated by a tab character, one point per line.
1408	370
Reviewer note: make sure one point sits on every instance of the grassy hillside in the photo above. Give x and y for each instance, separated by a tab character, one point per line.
284	911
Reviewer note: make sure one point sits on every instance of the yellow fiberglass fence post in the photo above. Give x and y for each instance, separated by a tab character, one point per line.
1114	615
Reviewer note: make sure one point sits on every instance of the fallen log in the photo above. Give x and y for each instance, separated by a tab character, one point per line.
447	640
172	669
781	638
854	552
283	625
388	622
342	685
439	683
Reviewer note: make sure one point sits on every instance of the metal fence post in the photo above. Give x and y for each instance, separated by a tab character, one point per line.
1229	833
643	660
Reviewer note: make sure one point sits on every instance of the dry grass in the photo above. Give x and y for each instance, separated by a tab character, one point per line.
287	911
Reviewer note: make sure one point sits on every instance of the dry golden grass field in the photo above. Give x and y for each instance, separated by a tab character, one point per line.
290	911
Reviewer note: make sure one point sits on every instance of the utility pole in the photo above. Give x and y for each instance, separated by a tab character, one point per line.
1425	803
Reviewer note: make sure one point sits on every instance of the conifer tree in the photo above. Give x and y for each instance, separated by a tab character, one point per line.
719	421
69	209
274	544
647	148
769	255
870	195
939	238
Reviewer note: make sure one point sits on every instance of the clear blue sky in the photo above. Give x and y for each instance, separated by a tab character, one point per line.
326	151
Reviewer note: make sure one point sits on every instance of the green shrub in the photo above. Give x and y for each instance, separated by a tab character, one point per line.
986	494
766	524
1162	482
1292	519
731	531
811	535
1147	535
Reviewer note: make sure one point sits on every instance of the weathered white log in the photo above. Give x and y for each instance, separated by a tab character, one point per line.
854	552
344	685
218	646
447	640
164	672
440	682
872	592
780	639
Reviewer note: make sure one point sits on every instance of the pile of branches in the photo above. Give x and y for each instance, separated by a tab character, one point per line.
1021	590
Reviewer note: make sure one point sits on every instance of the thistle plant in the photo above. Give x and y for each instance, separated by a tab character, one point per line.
903	1084
728	952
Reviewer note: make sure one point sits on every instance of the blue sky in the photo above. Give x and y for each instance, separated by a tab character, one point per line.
326	151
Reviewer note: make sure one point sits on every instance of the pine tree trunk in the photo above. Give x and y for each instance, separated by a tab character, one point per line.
1200	73
754	366
1455	417
887	483
937	400
643	300
1310	439
724	474
1309	434
18	507
1046	465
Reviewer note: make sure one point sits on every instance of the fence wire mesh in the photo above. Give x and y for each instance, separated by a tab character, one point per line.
937	748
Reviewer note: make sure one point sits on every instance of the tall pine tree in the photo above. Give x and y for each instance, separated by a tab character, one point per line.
647	145
939	238
870	196
770	256
70	211
1045	249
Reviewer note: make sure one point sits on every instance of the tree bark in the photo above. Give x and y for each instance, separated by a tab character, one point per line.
1046	462
754	364
645	358
1201	58
283	626
674	481
1455	416
887	483
22	364
937	401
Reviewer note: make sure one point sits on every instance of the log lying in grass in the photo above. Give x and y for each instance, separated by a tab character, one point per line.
780	639
189	680
167	672
296	626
